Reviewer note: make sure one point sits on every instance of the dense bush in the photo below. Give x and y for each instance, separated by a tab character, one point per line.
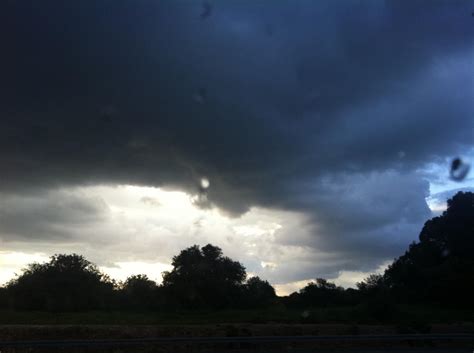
66	283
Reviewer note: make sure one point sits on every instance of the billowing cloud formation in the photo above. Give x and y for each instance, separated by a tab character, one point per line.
328	110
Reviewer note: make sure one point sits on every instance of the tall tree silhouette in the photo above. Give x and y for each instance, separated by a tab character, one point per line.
203	278
258	293
440	267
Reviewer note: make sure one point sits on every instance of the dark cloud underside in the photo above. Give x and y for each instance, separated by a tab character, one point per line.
286	104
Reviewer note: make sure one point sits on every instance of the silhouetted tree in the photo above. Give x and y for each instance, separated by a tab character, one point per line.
317	294
371	284
203	278
351	297
139	293
322	293
258	293
376	297
4	301
66	283
453	231
440	267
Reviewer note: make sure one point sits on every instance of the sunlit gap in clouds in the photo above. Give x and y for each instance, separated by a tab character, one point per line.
138	229
133	229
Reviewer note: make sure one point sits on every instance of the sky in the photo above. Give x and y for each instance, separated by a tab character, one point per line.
305	138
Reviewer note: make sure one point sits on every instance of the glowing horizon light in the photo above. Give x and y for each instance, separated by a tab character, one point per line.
12	263
435	205
138	229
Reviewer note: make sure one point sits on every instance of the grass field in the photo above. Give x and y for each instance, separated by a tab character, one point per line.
33	326
400	315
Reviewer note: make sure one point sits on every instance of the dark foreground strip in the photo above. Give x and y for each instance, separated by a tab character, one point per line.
249	339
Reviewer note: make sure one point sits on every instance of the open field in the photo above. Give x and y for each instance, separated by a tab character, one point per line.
353	325
348	328
402	316
22	332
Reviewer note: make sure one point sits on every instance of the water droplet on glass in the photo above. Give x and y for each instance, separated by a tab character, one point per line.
206	10
459	169
205	183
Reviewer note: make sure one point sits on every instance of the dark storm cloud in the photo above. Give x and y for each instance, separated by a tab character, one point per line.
268	101
47	216
362	219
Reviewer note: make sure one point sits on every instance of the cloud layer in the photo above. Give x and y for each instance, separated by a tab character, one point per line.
326	111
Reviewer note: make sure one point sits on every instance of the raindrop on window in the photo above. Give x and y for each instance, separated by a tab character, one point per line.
205	183
459	169
206	10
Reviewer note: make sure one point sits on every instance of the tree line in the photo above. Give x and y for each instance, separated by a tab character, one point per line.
202	278
438	269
